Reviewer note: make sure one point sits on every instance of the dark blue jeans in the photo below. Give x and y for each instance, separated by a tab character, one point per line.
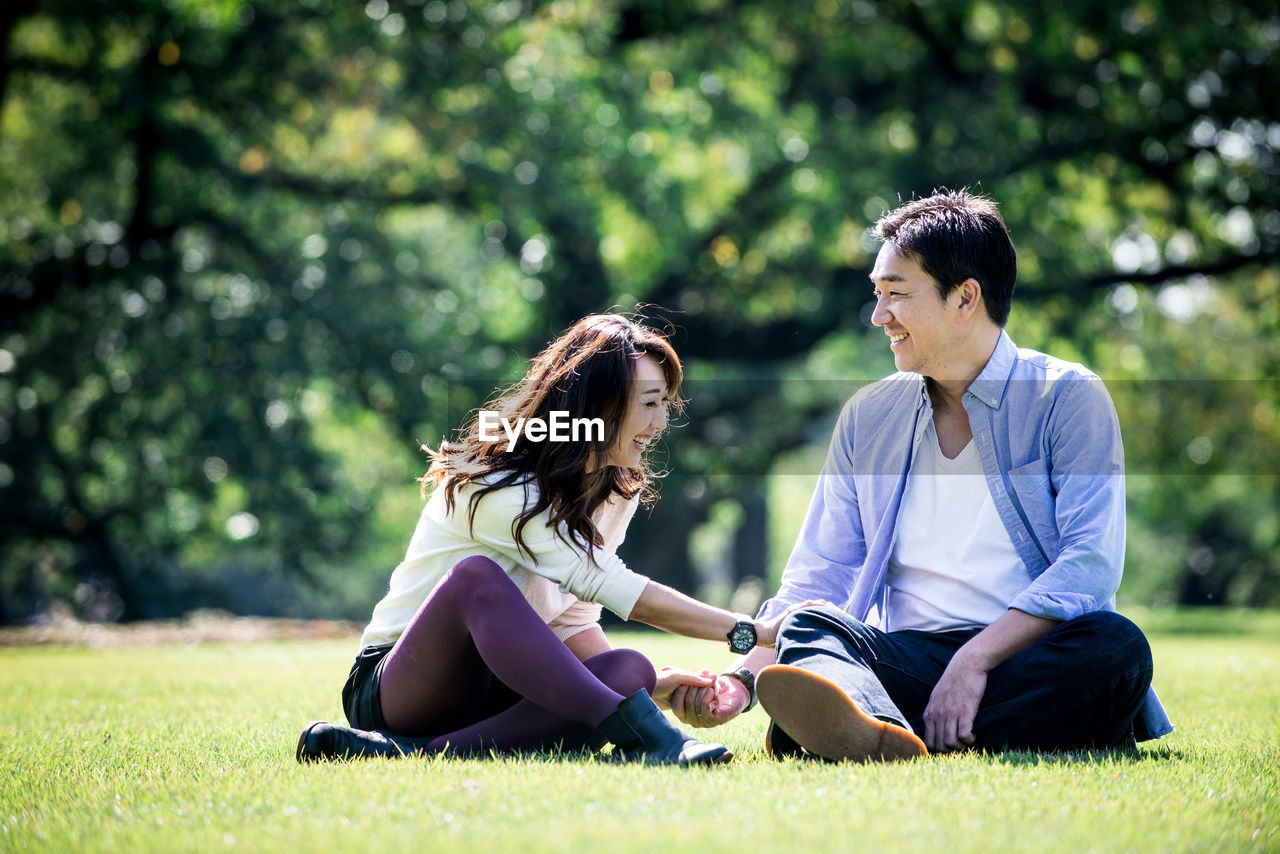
1078	687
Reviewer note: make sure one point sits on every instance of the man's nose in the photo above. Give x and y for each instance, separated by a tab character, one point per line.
881	315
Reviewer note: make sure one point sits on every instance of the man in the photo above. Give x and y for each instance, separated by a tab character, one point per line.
968	524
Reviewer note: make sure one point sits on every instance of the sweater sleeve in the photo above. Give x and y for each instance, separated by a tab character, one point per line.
602	578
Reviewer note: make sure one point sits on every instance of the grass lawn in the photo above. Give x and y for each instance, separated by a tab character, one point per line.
190	748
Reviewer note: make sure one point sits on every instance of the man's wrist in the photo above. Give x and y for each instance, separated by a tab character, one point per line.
970	659
748	681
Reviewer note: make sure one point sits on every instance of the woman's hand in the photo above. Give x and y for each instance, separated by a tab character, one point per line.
723	701
671	678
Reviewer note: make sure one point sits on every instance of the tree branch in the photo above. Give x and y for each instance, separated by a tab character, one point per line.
1179	271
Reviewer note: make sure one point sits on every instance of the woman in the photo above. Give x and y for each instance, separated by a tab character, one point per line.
488	638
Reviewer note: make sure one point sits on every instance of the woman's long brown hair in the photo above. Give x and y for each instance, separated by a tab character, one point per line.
589	372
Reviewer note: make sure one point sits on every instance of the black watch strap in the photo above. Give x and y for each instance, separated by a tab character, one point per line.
747	678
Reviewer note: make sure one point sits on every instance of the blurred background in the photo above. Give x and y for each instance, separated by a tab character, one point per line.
253	254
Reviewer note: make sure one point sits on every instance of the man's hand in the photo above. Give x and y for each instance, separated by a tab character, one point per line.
948	719
712	705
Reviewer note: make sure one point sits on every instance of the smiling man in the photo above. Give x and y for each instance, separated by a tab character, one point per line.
968	527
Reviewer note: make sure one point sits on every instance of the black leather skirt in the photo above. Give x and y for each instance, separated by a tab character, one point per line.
360	699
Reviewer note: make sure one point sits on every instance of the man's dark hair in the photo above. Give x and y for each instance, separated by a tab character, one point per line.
955	235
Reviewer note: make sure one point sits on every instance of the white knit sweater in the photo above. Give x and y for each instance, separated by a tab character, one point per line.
562	584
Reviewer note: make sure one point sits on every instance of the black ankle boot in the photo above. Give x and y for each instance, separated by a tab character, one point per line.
641	733
322	740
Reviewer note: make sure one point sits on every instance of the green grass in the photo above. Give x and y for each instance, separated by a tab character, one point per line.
190	748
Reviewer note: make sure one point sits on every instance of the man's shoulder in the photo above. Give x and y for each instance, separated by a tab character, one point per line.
1039	382
897	388
882	408
1033	364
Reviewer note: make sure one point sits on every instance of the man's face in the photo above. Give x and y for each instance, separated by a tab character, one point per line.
922	327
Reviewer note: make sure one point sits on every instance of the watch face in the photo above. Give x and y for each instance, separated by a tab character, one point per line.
743	637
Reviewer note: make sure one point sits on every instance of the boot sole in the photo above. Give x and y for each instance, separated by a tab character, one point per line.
302	743
714	758
723	756
822	719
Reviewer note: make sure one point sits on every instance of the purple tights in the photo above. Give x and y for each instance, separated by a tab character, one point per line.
477	670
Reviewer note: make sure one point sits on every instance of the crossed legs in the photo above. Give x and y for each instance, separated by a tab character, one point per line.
477	670
1079	687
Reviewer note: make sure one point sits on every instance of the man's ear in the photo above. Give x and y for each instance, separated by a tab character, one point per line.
969	295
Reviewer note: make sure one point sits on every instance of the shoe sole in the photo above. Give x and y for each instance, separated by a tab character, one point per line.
820	717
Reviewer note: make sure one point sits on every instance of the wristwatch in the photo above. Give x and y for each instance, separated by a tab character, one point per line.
742	637
748	679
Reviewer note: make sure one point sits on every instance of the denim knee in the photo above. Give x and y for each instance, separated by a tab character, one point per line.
805	619
818	624
1111	638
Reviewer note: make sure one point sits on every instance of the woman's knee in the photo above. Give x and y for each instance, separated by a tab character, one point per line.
476	575
623	670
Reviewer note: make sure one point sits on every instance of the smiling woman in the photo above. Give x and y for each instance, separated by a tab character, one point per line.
489	638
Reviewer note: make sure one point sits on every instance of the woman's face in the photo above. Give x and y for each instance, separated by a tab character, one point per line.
646	415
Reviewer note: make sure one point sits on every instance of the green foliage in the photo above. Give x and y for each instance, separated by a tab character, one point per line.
191	748
226	227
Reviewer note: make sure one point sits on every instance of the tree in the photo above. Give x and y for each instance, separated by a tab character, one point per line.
227	222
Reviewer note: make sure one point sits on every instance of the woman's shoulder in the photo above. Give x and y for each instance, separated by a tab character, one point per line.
496	491
618	504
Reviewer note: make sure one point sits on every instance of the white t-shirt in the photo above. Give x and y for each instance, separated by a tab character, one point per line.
953	565
562	583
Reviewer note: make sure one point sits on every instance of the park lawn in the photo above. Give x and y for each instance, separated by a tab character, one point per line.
190	748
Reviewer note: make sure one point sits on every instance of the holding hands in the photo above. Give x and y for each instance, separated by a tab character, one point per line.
674	679
703	699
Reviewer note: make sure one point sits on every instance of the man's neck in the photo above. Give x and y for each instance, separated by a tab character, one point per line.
961	371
